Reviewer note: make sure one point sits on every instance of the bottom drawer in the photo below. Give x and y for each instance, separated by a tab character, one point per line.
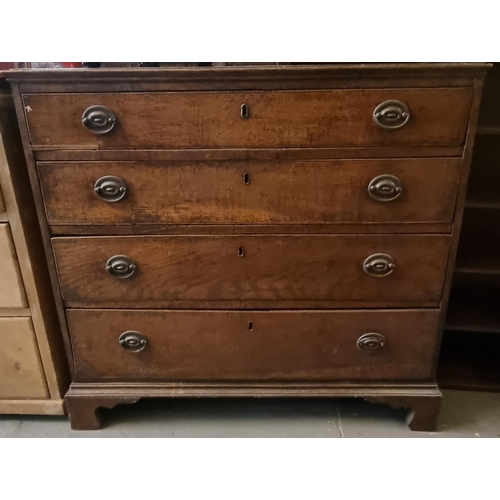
253	345
21	372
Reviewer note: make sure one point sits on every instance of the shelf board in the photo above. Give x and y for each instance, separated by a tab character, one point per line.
478	264
472	328
477	270
488	205
488	130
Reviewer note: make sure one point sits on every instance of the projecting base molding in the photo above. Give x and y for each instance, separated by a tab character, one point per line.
84	399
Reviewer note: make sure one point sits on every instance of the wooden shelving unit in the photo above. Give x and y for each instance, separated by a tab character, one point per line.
470	353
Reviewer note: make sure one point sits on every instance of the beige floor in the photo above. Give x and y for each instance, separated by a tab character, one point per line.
463	414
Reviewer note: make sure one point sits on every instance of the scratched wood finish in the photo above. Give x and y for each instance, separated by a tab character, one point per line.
272	268
318	192
329	118
21	371
222	229
49	154
11	284
254	345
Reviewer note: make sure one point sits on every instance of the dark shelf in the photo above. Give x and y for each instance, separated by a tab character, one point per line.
483	204
474	303
469	361
479	247
484	180
472	316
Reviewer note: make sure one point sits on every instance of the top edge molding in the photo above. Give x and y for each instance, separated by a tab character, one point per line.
256	73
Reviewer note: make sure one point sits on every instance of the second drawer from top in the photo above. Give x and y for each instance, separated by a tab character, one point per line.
252	192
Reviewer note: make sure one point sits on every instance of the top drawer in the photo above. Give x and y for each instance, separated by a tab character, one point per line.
326	118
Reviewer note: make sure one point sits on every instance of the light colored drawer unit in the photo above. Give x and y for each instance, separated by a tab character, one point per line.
33	370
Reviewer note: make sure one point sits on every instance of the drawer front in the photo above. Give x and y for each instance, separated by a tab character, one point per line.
242	268
321	192
21	372
326	118
253	345
11	285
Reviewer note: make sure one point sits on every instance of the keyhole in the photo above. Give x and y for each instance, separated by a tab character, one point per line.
241	252
244	110
246	178
250	325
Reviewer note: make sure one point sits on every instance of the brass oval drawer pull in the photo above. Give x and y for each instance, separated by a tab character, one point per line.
132	341
245	110
121	266
98	119
391	115
379	264
371	343
110	188
385	188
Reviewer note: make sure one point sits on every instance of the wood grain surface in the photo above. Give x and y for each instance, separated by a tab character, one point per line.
307	192
276	119
272	268
11	284
21	371
254	345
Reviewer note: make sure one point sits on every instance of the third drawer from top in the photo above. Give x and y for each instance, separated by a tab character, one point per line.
155	271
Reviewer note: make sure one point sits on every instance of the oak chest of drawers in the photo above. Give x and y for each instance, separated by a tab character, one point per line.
275	231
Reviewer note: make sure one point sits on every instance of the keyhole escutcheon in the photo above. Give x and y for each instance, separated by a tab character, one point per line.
241	251
244	110
246	178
